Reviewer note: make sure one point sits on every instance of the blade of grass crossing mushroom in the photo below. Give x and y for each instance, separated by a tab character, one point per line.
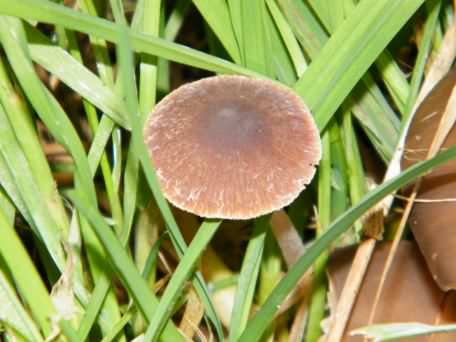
440	65
265	315
318	298
124	266
46	11
248	279
182	273
126	60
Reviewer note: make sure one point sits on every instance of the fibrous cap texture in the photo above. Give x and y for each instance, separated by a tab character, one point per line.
232	147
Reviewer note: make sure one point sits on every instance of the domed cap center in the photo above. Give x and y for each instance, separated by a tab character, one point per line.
232	125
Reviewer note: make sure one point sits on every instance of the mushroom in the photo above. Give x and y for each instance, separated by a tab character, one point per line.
232	147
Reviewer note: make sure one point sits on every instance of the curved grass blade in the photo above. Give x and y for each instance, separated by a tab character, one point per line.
139	148
217	15
50	112
123	265
13	314
183	271
25	276
266	314
49	12
350	52
75	75
396	331
248	279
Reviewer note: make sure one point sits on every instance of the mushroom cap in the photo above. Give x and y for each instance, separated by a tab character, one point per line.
232	147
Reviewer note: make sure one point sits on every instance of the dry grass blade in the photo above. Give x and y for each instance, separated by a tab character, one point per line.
299	322
343	309
287	237
193	314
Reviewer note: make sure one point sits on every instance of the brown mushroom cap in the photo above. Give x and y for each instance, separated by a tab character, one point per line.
232	147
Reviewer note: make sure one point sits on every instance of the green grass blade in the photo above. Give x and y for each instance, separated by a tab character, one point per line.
248	279
123	265
71	72
141	151
256	326
29	192
374	113
59	125
217	15
279	60
26	276
350	52
183	271
325	200
12	312
289	38
423	53
254	38
48	12
20	119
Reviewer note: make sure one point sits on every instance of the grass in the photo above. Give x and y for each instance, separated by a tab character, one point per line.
83	79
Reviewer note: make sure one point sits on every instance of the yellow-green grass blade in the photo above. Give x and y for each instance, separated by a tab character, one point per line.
217	15
123	265
266	314
181	274
46	11
76	76
26	277
350	51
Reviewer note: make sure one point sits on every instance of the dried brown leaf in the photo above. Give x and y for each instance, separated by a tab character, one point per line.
409	293
433	222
